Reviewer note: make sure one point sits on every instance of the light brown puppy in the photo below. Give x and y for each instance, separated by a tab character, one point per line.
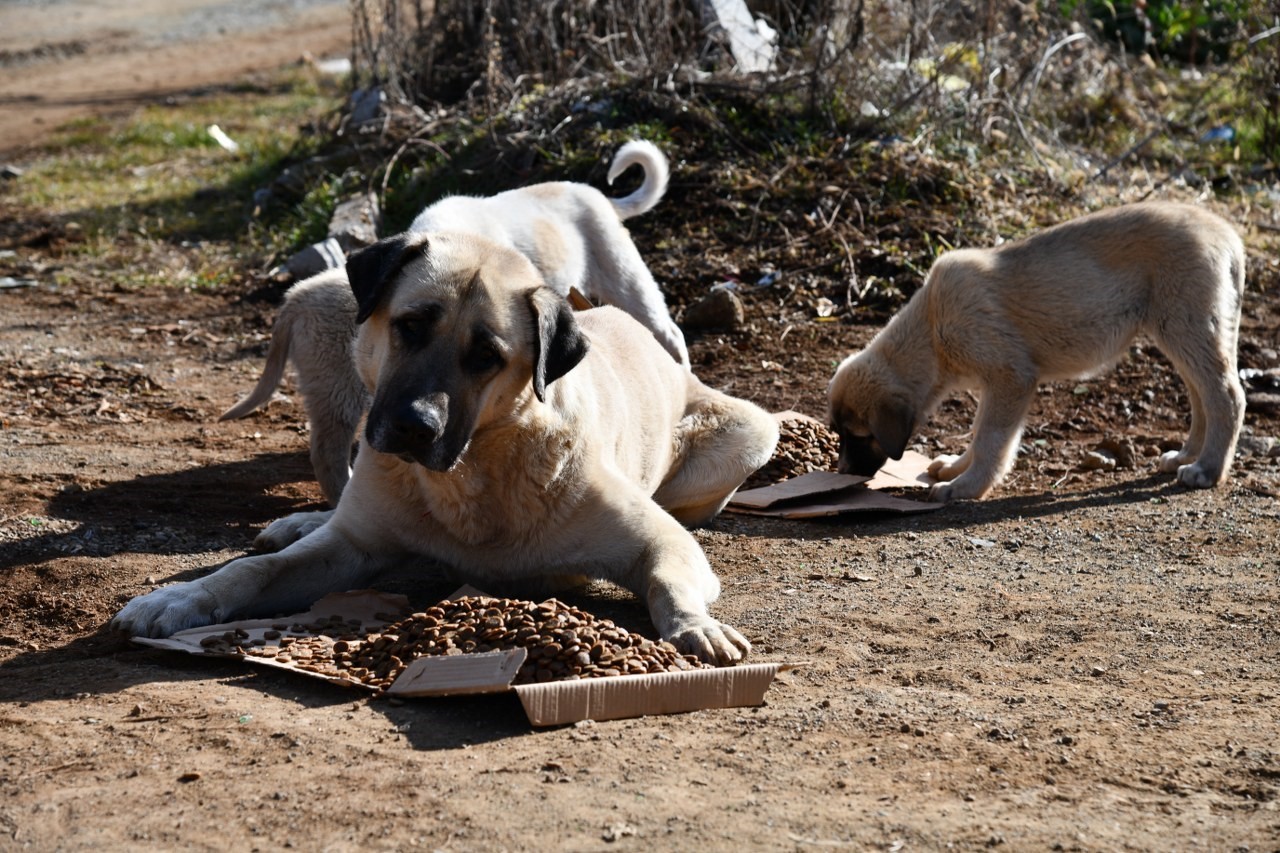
1063	303
508	438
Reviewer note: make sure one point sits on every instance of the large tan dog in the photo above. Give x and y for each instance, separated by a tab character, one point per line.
508	438
573	234
1063	303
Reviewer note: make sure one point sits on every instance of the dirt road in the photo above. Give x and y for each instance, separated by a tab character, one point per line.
60	59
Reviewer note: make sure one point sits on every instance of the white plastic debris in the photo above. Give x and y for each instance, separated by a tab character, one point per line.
753	43
220	137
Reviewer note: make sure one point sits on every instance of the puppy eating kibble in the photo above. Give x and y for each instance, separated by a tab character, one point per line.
1062	303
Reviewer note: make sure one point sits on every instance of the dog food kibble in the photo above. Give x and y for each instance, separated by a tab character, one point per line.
562	642
804	445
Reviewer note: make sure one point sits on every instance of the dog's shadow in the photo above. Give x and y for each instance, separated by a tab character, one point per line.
960	514
189	511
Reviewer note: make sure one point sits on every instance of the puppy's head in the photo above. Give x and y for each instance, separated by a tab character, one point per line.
455	333
872	412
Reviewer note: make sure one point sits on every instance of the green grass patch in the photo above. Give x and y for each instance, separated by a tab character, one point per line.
159	175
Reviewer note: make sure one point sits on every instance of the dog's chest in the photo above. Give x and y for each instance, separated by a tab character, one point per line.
503	495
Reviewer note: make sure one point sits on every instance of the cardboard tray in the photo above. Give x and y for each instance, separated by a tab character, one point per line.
547	704
820	494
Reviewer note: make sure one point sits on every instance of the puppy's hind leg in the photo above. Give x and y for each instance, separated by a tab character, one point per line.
334	411
334	396
719	443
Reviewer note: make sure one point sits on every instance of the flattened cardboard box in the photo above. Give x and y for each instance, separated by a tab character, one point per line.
820	494
546	704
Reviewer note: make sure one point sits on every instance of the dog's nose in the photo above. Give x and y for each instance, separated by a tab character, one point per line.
408	426
417	423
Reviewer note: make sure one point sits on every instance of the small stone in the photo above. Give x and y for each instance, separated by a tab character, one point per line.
1256	445
1097	461
354	223
719	309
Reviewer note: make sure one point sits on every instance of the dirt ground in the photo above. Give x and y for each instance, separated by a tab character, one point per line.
1084	661
62	59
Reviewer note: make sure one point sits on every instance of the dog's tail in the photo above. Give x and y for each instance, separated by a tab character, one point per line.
272	371
647	156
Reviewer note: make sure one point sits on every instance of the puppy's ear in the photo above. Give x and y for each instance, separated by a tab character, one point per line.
373	268
891	424
557	339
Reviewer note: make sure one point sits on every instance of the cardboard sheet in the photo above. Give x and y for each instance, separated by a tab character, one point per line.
548	704
820	494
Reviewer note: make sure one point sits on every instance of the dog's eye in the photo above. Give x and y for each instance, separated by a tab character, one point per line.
413	331
482	357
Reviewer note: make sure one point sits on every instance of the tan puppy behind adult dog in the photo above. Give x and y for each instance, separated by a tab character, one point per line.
509	438
1063	303
573	234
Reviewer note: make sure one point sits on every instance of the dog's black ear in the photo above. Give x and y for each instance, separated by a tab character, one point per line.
892	423
558	340
372	268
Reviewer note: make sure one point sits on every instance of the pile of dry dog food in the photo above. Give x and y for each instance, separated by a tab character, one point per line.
563	642
804	445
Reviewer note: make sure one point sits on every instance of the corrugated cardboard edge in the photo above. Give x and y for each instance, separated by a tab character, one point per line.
625	696
454	675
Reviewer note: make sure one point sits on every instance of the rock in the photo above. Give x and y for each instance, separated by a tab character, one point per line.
10	171
719	309
1096	460
1121	450
355	222
1256	445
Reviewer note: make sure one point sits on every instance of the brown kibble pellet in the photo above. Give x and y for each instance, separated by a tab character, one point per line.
563	643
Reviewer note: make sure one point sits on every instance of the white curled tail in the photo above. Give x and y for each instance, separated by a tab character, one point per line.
647	156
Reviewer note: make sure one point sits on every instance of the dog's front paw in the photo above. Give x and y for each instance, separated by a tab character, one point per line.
1196	477
944	467
168	610
1173	460
940	493
964	488
712	642
283	532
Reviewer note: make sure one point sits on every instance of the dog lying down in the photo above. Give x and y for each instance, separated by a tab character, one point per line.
1060	304
509	438
571	232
